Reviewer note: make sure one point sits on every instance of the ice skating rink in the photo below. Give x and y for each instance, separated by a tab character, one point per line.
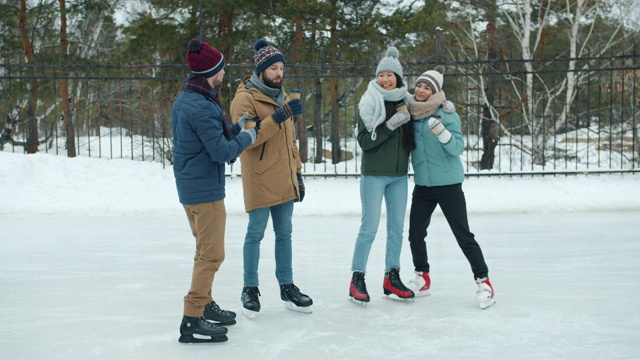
567	287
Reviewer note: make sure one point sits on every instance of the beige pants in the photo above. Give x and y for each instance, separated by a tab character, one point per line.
207	221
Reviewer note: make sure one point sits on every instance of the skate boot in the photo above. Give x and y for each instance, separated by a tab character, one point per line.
295	300
484	294
199	330
358	289
250	301
394	288
212	312
421	284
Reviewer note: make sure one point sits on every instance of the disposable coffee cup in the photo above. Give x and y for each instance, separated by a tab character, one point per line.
401	107
250	122
294	94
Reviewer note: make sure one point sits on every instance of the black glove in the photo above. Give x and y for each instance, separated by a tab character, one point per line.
300	186
293	107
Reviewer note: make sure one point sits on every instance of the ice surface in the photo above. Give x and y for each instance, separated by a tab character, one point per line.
91	287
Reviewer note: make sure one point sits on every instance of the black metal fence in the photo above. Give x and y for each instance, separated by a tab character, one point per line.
515	121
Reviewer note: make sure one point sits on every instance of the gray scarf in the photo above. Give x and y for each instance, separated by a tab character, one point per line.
276	94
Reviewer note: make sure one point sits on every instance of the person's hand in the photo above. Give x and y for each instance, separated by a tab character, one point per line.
398	119
300	186
437	129
293	107
241	121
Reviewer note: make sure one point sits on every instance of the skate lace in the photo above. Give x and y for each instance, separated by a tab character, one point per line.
359	284
216	308
252	291
292	289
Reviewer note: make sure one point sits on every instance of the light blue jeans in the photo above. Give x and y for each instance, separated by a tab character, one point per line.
258	218
372	190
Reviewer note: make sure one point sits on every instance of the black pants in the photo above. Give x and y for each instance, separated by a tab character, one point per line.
454	207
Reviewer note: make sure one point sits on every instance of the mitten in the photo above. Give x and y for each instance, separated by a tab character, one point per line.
439	130
253	134
300	186
398	119
448	107
293	107
240	121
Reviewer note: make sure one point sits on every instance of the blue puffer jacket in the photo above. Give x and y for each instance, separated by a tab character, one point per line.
435	163
200	148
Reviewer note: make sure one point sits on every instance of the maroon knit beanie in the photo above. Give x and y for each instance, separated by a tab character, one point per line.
204	60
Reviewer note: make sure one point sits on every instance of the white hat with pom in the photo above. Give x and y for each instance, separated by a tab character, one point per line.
433	78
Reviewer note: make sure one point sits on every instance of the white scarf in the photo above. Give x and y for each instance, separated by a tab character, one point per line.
371	106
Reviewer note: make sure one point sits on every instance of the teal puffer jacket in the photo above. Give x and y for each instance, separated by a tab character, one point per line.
435	163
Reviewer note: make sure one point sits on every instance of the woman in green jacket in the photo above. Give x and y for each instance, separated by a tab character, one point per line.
438	177
386	138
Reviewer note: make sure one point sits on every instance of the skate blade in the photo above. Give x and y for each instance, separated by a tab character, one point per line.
487	303
199	339
302	309
422	293
395	297
249	313
222	323
359	302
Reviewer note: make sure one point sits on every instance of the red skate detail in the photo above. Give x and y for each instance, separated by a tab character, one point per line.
427	282
356	294
390	289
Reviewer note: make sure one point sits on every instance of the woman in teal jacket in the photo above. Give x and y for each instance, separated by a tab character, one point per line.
438	177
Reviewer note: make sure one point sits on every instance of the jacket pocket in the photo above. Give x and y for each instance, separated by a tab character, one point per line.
266	163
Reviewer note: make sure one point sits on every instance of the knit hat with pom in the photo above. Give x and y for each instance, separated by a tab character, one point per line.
266	55
204	60
433	78
390	62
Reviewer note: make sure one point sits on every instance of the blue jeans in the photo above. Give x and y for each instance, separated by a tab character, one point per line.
372	190
258	218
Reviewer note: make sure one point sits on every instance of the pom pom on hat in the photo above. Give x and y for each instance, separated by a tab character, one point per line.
392	51
194	46
266	55
203	59
433	78
260	44
390	62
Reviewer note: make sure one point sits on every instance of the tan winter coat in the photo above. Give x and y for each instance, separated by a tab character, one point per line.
269	166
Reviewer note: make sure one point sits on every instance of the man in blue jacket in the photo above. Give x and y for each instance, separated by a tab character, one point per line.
202	143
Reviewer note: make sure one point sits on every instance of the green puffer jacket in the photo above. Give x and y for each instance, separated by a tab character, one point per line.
435	163
387	155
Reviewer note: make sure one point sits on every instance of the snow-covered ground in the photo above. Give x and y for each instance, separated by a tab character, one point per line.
96	255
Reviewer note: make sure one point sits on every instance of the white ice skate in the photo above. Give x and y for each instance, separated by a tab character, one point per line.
484	294
421	284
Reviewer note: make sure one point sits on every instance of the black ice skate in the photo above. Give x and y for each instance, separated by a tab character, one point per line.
295	300
250	301
199	330
358	289
212	312
394	288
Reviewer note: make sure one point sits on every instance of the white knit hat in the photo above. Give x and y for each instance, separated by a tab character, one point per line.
390	62
433	78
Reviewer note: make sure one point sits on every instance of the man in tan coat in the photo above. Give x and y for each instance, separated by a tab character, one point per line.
271	176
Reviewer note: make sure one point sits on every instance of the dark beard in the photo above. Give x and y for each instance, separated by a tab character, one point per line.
270	83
